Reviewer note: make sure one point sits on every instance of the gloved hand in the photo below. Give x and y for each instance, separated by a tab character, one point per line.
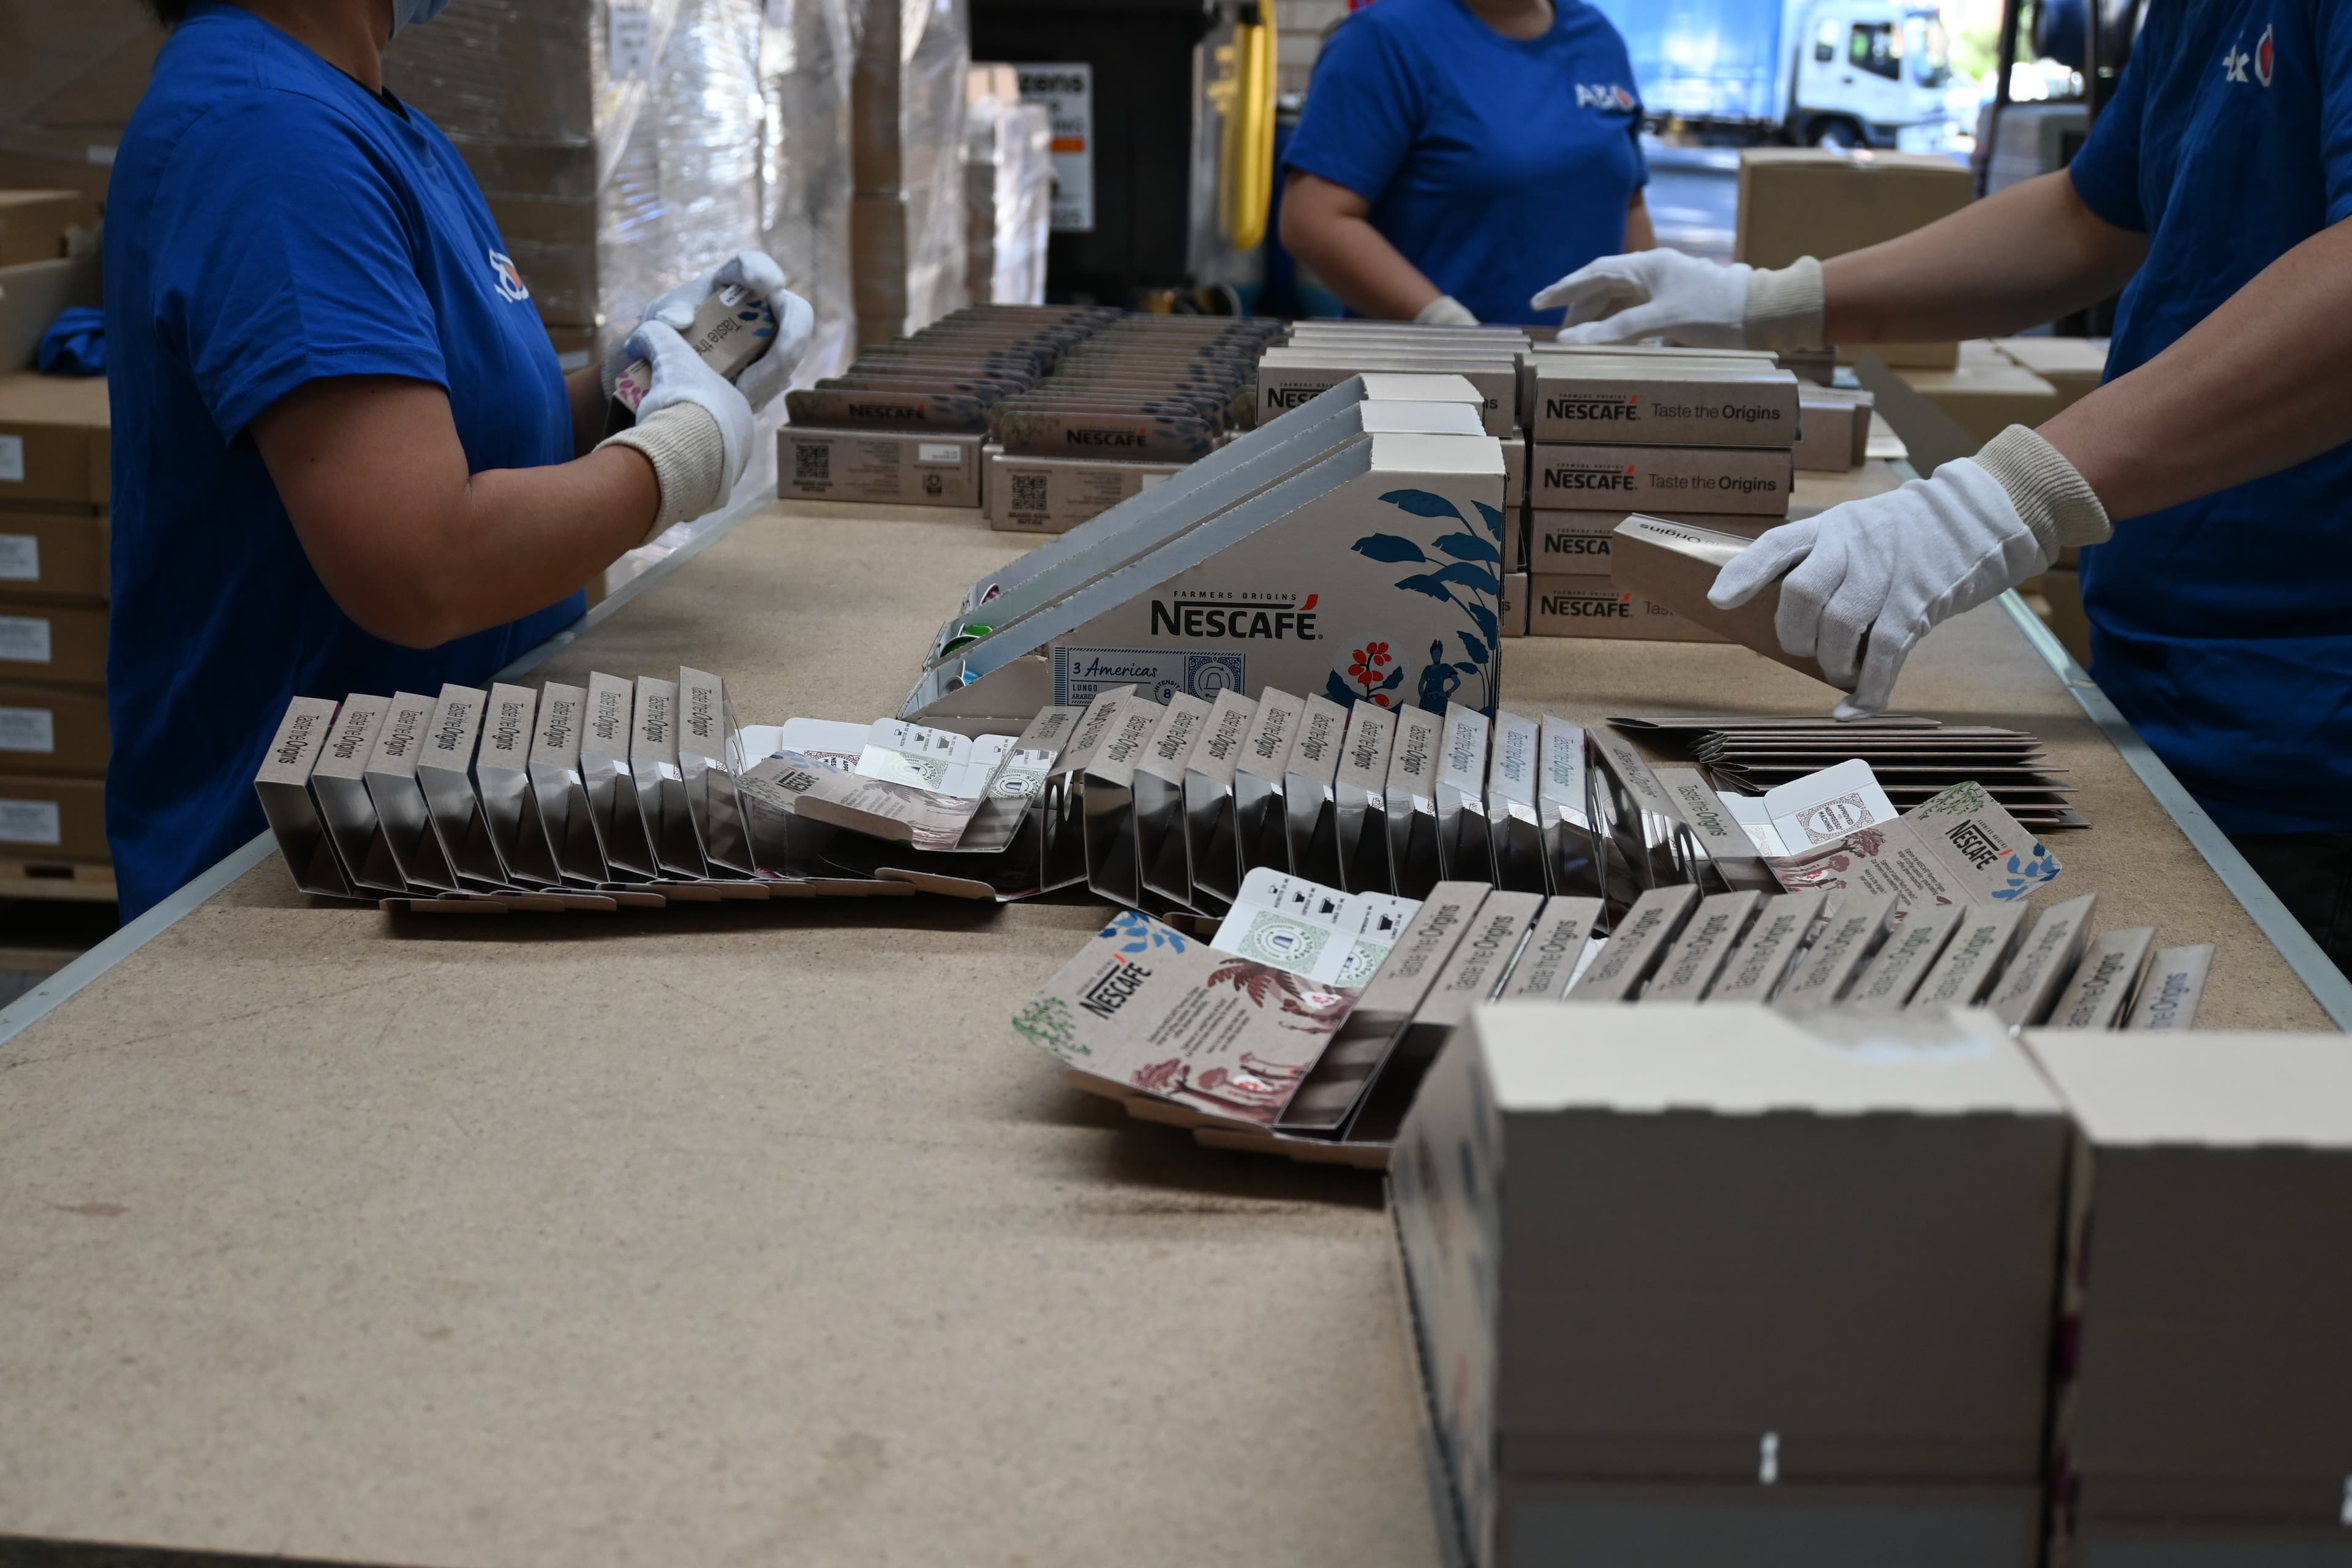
1703	304
766	377
1445	310
693	426
1888	568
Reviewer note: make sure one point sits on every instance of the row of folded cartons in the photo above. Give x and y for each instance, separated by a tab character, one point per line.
1724	1286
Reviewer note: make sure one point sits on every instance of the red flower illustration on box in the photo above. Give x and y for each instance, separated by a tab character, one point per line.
1371	675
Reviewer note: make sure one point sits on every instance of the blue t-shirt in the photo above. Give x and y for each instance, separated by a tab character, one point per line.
270	223
1495	165
2224	628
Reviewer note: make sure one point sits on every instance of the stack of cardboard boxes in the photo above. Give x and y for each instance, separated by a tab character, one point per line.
1823	202
54	455
1719	1286
907	243
1708	437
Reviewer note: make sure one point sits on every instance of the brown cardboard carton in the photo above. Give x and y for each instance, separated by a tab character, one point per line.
1597	607
1516	592
1662	399
53	554
1577	543
33	223
1675	565
916	468
2072	366
33	294
2213	1385
54	443
1835	430
1725	1305
1821	202
1748	482
1985	392
53	819
52	730
1054	495
41	641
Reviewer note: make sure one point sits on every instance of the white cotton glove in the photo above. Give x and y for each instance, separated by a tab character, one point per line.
766	377
1881	572
1445	310
1703	304
693	426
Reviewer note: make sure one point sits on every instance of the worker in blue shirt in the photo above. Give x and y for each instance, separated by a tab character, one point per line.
345	458
2211	473
1455	154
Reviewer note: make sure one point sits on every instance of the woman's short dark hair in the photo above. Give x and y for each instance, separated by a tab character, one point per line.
170	13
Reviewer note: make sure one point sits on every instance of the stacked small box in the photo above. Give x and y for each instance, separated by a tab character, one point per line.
1713	1287
55	446
1321	353
1046	415
2205	1400
1707	439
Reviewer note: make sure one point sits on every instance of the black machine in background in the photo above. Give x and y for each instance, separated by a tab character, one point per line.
1170	78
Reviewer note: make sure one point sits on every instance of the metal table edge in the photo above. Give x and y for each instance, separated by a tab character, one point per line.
42	999
2328	984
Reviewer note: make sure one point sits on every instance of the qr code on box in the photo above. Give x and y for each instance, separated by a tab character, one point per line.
1029	492
811	460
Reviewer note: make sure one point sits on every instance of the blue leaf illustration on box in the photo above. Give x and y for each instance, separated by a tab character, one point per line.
1476	578
1467	547
1421	503
1463	581
1140	933
1390	548
2026	871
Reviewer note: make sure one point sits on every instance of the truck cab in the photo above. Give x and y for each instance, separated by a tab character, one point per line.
1869	75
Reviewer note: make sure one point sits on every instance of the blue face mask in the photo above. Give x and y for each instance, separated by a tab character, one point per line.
408	13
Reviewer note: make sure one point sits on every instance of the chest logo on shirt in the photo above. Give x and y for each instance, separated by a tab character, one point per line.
1605	95
507	277
2264	59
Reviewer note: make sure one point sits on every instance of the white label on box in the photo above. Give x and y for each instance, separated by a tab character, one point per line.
1149	480
12	459
31	822
946	452
25	639
27	730
629	43
20	558
1066	90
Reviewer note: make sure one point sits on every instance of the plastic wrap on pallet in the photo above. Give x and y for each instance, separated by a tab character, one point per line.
808	50
1009	200
907	146
625	146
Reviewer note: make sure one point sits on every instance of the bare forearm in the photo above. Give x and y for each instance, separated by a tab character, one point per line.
412	547
1641	234
1324	226
520	538
2260	384
584	390
2016	259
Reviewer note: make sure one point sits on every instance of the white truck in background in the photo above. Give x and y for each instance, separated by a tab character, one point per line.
1839	73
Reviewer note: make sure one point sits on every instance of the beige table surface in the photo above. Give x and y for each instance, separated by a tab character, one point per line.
750	1233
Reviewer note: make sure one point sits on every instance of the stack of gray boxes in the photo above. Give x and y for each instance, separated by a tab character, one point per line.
1703	438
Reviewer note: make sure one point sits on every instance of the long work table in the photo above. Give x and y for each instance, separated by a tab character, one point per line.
750	1234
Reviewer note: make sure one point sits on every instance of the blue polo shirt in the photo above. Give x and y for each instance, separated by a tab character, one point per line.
2224	628
1495	165
270	223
